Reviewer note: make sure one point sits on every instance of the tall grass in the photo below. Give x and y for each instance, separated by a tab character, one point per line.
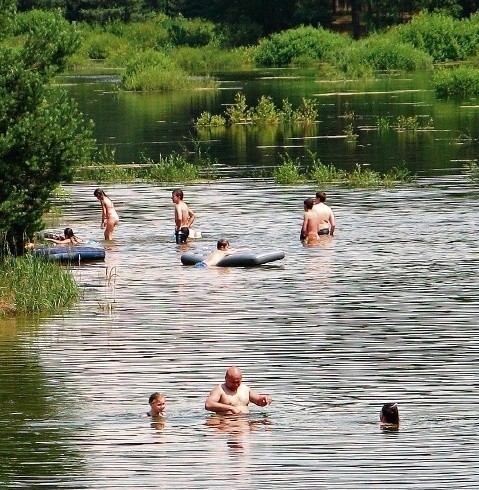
31	284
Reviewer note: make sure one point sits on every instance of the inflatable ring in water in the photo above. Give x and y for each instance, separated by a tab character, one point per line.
239	259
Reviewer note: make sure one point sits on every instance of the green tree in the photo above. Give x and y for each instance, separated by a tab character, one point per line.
42	133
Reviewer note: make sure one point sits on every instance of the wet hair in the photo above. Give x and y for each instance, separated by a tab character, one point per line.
321	196
309	203
177	192
155	396
389	414
222	244
68	233
99	192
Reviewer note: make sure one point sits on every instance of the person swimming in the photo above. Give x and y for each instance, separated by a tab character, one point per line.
68	238
389	415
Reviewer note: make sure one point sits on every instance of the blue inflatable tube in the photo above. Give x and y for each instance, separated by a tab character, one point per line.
77	253
239	259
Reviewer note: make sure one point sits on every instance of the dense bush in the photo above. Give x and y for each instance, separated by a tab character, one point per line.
192	32
442	37
379	52
460	81
283	48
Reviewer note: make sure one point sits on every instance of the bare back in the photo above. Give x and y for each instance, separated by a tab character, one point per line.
325	215
182	215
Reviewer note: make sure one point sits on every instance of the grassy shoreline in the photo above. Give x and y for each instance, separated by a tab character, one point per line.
30	284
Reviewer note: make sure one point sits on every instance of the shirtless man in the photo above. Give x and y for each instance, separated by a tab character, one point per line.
311	222
184	217
232	397
326	215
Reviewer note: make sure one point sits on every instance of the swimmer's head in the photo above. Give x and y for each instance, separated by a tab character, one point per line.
157	403
389	414
222	244
99	193
68	233
321	196
177	193
308	203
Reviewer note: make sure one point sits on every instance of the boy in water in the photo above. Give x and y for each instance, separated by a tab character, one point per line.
157	403
222	250
311	222
184	217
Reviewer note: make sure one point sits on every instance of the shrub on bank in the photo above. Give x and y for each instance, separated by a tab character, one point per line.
282	48
152	70
444	38
456	82
379	52
31	284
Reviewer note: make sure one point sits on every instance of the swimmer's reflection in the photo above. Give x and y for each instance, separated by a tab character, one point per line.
236	427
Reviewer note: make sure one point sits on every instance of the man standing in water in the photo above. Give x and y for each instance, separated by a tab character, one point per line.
327	222
233	396
184	217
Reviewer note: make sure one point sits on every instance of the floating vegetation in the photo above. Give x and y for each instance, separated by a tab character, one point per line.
292	172
265	112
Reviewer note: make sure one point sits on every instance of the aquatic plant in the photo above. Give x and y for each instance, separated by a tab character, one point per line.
407	123
349	132
383	124
288	173
265	112
208	119
30	284
472	170
171	168
321	173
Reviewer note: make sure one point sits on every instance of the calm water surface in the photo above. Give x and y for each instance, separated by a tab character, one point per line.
385	311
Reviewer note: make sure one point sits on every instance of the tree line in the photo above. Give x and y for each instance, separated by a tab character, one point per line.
258	18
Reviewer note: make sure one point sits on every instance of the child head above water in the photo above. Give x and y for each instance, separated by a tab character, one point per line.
157	403
222	244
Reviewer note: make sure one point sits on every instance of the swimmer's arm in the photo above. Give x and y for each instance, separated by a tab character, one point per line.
305	224
332	221
260	400
213	404
191	217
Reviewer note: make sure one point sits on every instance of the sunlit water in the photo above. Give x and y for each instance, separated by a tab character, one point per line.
385	311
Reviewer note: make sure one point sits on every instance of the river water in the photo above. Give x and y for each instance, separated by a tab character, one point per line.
387	310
